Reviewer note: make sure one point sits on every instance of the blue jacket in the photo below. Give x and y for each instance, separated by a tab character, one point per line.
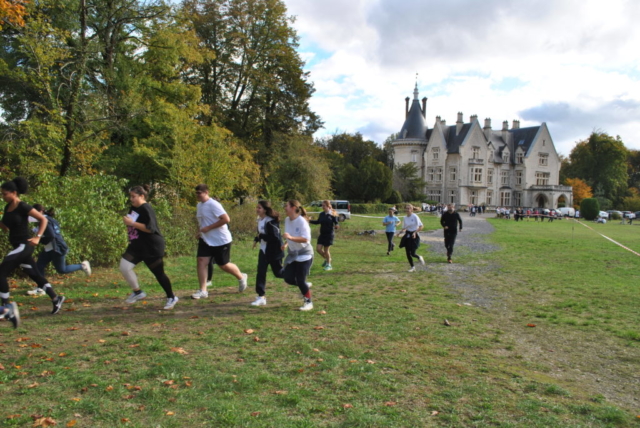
53	235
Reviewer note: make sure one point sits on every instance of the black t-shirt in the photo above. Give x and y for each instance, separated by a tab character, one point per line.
18	223
147	244
451	220
327	223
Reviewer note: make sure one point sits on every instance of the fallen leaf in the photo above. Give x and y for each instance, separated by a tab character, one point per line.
1	367
318	327
44	422
14	416
62	354
390	403
124	420
240	360
109	388
168	382
295	328
281	392
531	325
316	350
22	339
254	414
72	328
256	339
180	351
102	341
194	317
124	333
170	413
128	397
370	362
33	385
249	331
447	323
322	313
76	399
347	406
72	423
435	412
134	345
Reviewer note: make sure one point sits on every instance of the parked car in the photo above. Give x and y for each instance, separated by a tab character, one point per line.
603	214
614	214
567	211
637	213
343	208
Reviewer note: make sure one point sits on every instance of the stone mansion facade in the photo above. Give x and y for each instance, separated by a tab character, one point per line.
466	163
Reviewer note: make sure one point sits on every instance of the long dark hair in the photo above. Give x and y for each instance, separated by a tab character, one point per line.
51	212
269	210
18	185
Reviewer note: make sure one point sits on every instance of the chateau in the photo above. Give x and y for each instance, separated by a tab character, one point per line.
467	163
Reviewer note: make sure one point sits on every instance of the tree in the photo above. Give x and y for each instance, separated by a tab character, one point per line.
580	190
589	208
372	181
406	180
387	147
12	12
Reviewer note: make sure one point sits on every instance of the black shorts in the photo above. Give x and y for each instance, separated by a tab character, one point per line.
136	257
325	240
221	254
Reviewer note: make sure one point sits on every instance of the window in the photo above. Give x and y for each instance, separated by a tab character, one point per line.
414	157
473	197
476	152
438	175
505	157
430	175
542	178
543	142
490	176
452	173
452	197
491	156
489	197
434	195
519	158
436	153
518	179
505	199
517	199
543	159
477	175
504	178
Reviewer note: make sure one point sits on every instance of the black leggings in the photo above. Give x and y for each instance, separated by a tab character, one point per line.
449	241
295	273
156	266
263	266
411	246
22	256
390	241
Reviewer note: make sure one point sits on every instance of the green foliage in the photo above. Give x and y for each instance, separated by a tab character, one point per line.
589	208
369	208
407	181
177	222
631	203
243	217
370	181
394	198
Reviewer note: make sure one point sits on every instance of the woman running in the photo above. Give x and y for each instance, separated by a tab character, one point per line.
271	253
55	249
146	244
300	256
328	221
16	221
390	222
411	239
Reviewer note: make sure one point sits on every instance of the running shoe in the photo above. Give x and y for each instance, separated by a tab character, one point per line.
421	260
242	283
449	261
86	267
36	292
171	302
133	297
260	301
413	269
324	263
13	315
307	306
200	295
328	267
57	304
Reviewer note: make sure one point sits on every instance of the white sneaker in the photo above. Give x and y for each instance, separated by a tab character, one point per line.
86	267
200	295
421	260
309	284
260	301
208	284
307	306
36	292
413	269
242	283
133	297
171	302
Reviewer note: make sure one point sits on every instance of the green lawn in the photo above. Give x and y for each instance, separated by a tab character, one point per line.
374	351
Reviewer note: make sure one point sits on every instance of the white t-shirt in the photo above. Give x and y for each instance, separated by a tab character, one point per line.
208	213
295	228
261	224
411	223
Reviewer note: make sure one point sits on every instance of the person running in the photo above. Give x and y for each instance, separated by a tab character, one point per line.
271	253
146	244
16	220
214	241
449	221
411	240
55	250
390	222
328	221
300	251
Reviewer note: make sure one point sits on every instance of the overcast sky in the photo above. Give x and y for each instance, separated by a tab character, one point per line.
574	64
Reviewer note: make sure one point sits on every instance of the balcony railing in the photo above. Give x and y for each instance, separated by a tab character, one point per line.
476	161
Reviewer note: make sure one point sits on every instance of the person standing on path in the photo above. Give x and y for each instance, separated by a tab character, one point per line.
411	240
214	241
146	244
55	250
271	253
390	222
450	221
328	221
16	220
300	251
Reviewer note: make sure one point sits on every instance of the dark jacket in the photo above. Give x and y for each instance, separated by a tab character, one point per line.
273	239
451	220
53	234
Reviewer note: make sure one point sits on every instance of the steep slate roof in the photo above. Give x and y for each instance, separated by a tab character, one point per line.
454	141
414	124
524	137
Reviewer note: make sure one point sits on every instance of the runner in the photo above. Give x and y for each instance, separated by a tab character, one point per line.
271	253
411	239
390	222
328	221
449	221
55	249
16	220
214	241
300	257
146	244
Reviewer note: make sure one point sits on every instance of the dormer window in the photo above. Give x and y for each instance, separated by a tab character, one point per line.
476	152
519	158
490	155
505	157
436	153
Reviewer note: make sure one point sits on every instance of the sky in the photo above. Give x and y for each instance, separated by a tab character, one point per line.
572	64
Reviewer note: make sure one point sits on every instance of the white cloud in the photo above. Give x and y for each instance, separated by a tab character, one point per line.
571	63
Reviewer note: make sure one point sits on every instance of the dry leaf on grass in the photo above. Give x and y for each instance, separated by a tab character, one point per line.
322	313
319	327
531	325
435	413
254	414
170	413
180	351
256	339
109	388
72	423
447	323
347	406
281	392
249	331
44	422
390	403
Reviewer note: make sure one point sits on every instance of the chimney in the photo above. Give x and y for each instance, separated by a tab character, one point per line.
516	124
473	117
406	107
487	123
438	119
424	107
505	125
487	128
459	123
505	131
443	122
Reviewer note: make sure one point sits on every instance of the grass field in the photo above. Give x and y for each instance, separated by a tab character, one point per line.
374	352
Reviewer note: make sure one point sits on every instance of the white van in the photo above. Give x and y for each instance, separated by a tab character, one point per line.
343	208
567	211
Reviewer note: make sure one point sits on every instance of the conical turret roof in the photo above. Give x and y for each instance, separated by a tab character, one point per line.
414	125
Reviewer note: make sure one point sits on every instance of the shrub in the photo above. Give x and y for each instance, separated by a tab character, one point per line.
589	208
395	198
243	223
178	225
369	208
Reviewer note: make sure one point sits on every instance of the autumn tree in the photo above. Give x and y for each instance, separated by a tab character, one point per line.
12	12
581	190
